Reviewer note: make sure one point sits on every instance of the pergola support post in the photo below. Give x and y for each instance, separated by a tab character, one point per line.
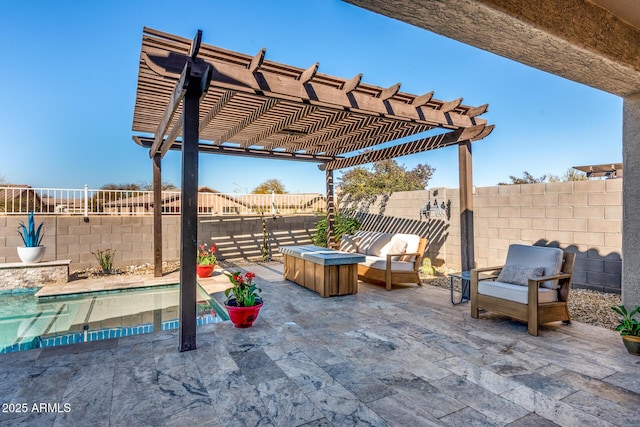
467	257
157	215
331	210
189	220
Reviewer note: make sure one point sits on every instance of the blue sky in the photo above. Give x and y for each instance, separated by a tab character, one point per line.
69	73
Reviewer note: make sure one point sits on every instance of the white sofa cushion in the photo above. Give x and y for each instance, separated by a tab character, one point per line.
516	293
395	247
349	243
550	259
381	264
412	240
372	242
377	244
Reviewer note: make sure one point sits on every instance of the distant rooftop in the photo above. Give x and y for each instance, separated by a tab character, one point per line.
609	170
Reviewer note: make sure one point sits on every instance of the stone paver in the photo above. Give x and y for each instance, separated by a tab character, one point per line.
406	357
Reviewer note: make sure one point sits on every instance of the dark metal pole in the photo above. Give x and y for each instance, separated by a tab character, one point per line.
331	210
189	213
157	215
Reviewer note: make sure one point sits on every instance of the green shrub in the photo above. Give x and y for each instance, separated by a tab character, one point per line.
342	225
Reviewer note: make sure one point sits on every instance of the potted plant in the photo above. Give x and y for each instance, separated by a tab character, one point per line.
32	251
206	258
629	328
243	301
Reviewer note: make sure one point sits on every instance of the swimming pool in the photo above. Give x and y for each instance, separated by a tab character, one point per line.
28	322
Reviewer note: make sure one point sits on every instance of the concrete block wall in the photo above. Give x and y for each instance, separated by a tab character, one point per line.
242	236
70	237
400	213
584	217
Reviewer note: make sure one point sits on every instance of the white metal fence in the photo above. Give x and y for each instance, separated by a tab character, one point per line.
20	200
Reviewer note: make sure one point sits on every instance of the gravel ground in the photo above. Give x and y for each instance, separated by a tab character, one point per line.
585	306
94	273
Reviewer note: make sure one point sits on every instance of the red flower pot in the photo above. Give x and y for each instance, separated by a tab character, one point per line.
243	317
205	270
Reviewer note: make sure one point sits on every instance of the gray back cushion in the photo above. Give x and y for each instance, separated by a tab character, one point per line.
519	275
550	259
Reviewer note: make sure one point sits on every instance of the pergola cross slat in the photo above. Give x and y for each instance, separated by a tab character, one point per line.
417	146
231	103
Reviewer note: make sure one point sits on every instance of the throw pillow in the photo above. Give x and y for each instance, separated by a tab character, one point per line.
349	244
407	258
398	247
518	274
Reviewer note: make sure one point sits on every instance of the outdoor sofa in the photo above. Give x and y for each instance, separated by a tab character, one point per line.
391	258
532	286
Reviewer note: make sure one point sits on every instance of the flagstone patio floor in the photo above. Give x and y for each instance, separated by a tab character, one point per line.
402	358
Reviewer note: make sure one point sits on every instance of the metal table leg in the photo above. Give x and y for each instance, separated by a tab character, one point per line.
465	284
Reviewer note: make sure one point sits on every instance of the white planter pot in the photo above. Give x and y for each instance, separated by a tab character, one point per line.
31	255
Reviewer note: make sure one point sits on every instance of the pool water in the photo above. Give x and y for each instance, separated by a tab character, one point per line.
28	322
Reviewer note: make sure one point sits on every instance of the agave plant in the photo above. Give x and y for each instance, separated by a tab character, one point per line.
30	236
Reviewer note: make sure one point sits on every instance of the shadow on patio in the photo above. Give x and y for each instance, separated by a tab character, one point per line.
406	357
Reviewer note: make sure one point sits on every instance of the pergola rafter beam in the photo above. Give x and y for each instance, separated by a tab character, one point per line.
216	108
309	73
476	111
247	120
485	132
247	152
175	131
176	98
282	124
352	84
329	118
390	133
451	105
421	100
340	128
417	146
382	128
234	77
226	75
256	61
390	92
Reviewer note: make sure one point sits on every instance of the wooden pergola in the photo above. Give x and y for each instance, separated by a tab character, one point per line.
224	102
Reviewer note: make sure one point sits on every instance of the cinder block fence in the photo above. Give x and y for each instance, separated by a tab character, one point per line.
583	217
70	237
